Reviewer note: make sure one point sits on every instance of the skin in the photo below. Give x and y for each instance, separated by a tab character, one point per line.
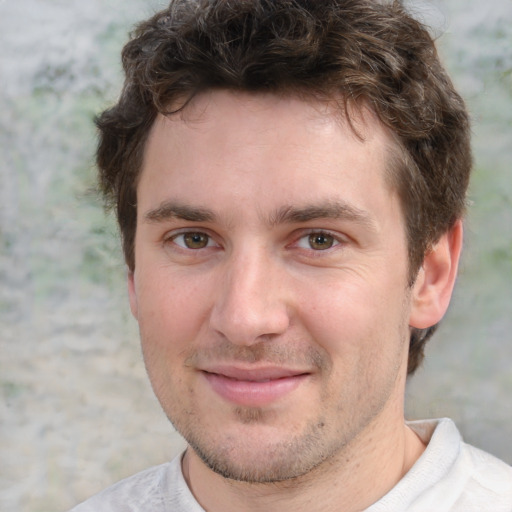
271	291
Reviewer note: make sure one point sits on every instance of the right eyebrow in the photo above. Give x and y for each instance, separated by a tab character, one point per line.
170	209
324	210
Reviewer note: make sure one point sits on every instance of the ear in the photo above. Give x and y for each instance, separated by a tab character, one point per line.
434	284
132	293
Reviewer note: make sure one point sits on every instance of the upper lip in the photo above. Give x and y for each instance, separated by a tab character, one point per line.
253	374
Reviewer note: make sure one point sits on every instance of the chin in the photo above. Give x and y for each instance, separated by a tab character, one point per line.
253	455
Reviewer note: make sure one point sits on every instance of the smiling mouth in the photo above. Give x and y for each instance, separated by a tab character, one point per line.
253	387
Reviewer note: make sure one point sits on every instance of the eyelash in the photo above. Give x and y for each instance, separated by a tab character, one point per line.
335	238
172	238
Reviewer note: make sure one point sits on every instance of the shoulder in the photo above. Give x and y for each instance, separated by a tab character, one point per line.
468	461
131	494
488	481
159	489
467	478
450	476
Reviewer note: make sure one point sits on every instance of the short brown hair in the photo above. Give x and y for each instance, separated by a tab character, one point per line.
361	50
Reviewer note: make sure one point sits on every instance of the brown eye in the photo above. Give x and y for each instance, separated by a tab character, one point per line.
320	241
193	240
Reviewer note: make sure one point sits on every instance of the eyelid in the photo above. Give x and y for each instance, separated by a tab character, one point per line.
170	236
339	238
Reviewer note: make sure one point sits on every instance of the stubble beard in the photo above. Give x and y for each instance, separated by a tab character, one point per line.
319	444
276	463
234	456
291	458
298	458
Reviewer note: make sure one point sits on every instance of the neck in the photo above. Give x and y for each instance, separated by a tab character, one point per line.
354	478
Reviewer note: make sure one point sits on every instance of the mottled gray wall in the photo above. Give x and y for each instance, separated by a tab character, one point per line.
77	412
467	374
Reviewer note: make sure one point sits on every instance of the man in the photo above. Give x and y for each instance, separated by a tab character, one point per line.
289	179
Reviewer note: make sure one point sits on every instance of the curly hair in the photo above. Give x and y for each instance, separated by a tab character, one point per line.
360	50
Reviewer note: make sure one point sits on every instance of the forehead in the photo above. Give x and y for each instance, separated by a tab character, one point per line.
266	151
212	107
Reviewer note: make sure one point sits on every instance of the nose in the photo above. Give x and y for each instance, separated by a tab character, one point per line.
250	306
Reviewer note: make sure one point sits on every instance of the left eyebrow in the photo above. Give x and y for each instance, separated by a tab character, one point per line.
330	210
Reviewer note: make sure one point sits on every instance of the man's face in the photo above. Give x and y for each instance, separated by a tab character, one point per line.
270	281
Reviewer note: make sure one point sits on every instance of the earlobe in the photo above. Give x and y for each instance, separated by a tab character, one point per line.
132	293
433	288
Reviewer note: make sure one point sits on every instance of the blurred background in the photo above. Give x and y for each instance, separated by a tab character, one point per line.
77	412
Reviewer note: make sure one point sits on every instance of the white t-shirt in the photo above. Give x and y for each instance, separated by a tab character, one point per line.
450	476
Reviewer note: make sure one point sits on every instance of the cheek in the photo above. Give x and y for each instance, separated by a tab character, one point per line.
169	322
365	339
171	312
354	322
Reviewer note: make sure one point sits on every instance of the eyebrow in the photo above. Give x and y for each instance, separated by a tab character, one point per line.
328	210
169	210
284	215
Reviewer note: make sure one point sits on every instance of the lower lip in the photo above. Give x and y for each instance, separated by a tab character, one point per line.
250	393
